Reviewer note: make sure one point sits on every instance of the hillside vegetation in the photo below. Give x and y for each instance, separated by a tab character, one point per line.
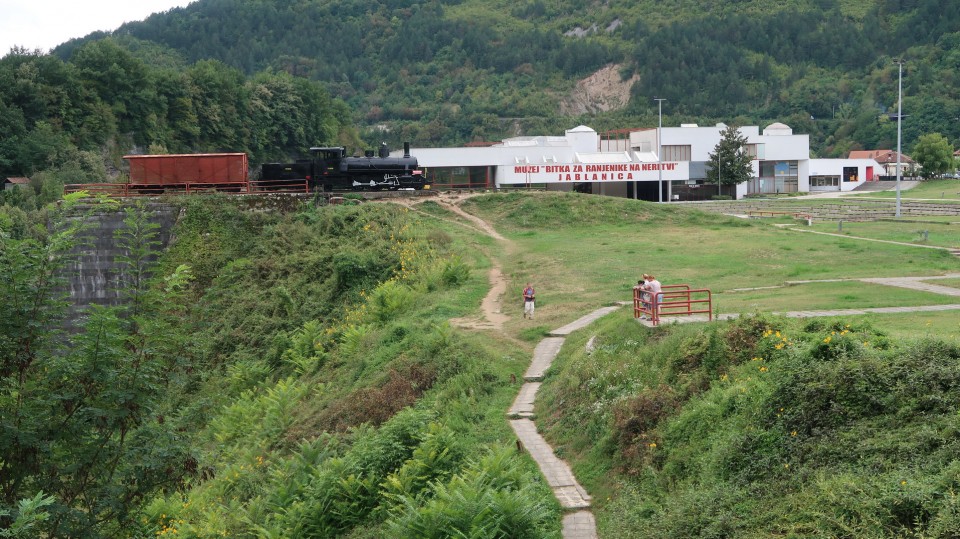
440	73
275	78
286	375
292	371
763	427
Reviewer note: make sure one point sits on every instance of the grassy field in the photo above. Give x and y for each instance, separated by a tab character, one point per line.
584	252
825	296
954	283
673	431
929	189
943	234
759	427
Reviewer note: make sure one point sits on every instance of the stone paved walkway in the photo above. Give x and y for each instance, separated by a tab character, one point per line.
523	404
583	322
557	473
919	283
542	358
912	283
579	524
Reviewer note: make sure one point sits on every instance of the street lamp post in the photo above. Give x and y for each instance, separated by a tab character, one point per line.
899	120
659	101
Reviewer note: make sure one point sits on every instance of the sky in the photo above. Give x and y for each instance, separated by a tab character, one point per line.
44	24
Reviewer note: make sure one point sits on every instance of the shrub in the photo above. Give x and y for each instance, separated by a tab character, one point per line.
635	417
258	416
375	405
455	272
491	498
306	352
345	490
437	456
389	299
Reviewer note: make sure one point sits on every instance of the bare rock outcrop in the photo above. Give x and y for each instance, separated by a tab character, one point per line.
602	91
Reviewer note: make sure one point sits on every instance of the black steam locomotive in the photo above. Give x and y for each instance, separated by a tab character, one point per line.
330	169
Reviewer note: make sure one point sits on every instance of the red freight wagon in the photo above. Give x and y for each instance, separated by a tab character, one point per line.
208	169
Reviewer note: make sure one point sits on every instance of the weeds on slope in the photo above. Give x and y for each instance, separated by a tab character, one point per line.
761	427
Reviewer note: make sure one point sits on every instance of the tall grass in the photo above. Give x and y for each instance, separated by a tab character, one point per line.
332	397
338	400
762	427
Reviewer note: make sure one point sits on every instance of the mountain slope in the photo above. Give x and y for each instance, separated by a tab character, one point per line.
449	72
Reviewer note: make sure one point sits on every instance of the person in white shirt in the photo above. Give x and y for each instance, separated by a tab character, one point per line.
652	287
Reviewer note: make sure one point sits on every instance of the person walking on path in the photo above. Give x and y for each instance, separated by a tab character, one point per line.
528	301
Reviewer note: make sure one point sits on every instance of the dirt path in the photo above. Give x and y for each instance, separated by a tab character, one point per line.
491	307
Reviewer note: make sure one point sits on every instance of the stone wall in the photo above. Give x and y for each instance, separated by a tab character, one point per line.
96	274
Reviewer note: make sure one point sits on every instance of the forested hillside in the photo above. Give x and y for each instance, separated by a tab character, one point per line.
273	78
71	121
453	71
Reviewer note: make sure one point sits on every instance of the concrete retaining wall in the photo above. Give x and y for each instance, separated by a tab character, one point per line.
96	275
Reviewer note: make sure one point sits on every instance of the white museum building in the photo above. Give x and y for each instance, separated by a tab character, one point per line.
625	163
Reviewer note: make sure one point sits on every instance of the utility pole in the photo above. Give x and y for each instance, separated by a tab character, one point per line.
659	101
899	121
719	185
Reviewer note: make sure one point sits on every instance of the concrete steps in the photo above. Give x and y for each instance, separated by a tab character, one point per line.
867	210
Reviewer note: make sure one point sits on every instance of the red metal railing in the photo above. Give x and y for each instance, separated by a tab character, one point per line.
280	186
149	189
673	299
107	189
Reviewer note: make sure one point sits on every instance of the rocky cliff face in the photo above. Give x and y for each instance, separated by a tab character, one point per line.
601	91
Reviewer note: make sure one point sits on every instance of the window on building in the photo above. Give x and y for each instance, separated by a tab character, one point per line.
675	153
824	181
458	177
776	177
755	151
643	147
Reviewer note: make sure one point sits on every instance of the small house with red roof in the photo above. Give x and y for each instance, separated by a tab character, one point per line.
10	183
888	160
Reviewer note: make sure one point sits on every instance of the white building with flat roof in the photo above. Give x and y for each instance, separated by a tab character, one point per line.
625	163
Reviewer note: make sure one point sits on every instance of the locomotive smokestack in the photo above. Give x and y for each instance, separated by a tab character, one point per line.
384	150
406	149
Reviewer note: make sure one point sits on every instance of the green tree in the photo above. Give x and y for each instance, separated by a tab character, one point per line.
119	79
77	411
729	163
934	154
